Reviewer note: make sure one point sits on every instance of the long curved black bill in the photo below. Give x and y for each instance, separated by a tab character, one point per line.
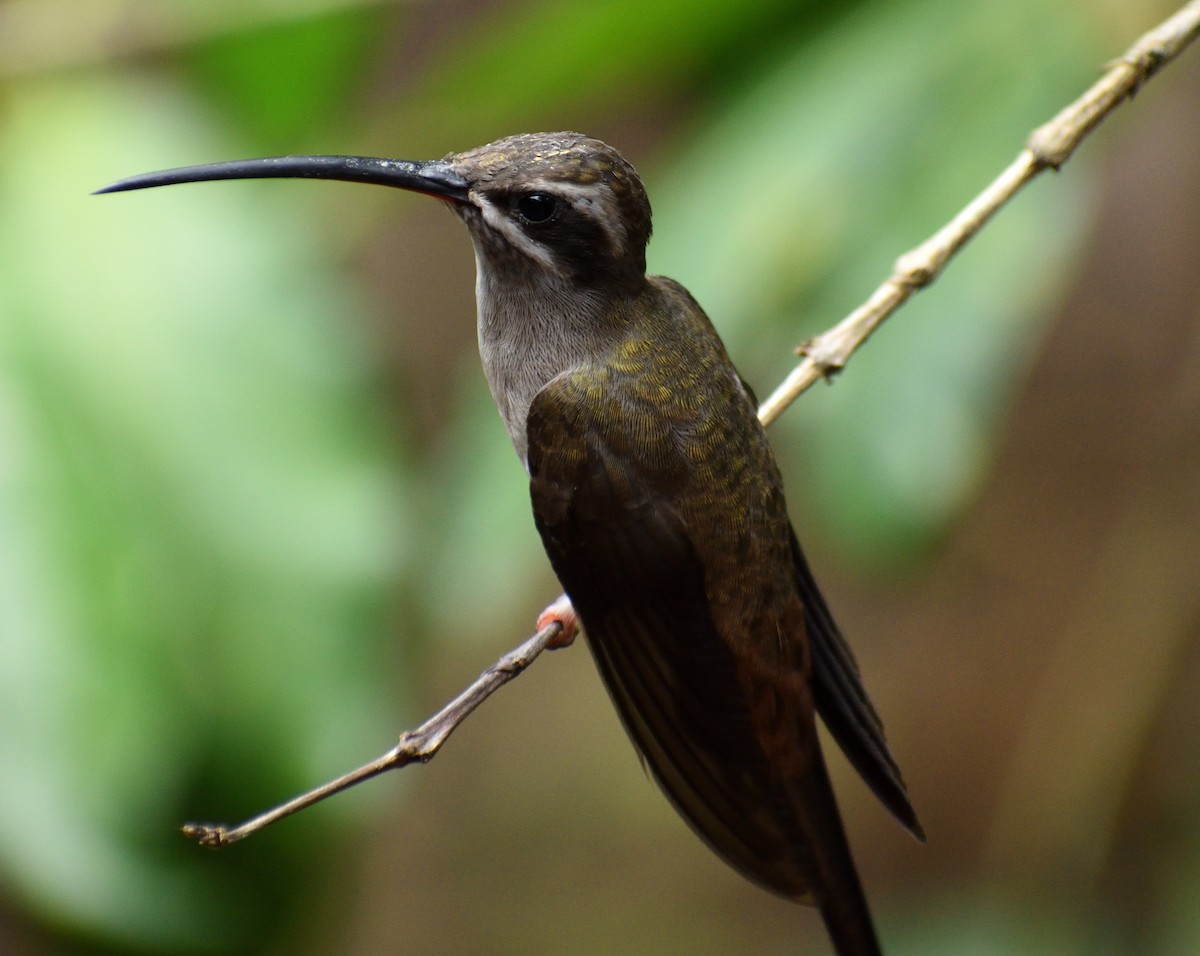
434	177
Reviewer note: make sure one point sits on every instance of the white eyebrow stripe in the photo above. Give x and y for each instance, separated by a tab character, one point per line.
583	198
502	224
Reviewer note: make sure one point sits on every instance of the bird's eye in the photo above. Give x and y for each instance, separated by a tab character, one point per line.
536	207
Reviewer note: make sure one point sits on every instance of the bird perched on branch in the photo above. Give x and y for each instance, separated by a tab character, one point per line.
660	506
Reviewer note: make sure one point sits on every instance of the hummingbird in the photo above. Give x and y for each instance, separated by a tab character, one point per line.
660	505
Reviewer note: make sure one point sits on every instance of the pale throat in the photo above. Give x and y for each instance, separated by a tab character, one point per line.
530	331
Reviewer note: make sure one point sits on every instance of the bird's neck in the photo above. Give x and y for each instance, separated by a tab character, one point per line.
533	329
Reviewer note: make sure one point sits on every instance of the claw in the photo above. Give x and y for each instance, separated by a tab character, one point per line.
561	613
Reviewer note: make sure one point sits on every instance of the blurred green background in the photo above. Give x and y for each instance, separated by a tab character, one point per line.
257	513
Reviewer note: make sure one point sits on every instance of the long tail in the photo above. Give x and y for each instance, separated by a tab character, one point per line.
837	890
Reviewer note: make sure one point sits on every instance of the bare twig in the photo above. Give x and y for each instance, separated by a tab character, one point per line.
415	745
1048	146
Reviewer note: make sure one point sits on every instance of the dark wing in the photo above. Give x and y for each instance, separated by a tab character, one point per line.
625	558
843	703
841	699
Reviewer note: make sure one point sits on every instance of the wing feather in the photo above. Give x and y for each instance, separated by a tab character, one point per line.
843	703
629	566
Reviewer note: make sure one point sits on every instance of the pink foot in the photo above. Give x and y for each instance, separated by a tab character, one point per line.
561	613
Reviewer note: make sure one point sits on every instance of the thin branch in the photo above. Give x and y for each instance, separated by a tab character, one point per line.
418	745
1049	146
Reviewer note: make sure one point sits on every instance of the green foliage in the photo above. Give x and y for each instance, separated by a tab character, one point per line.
547	61
792	203
215	520
285	83
201	518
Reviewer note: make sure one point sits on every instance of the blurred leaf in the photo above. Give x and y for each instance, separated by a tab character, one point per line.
796	200
199	519
962	924
41	36
487	549
287	82
547	61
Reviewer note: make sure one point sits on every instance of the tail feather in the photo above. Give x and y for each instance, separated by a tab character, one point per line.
838	892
